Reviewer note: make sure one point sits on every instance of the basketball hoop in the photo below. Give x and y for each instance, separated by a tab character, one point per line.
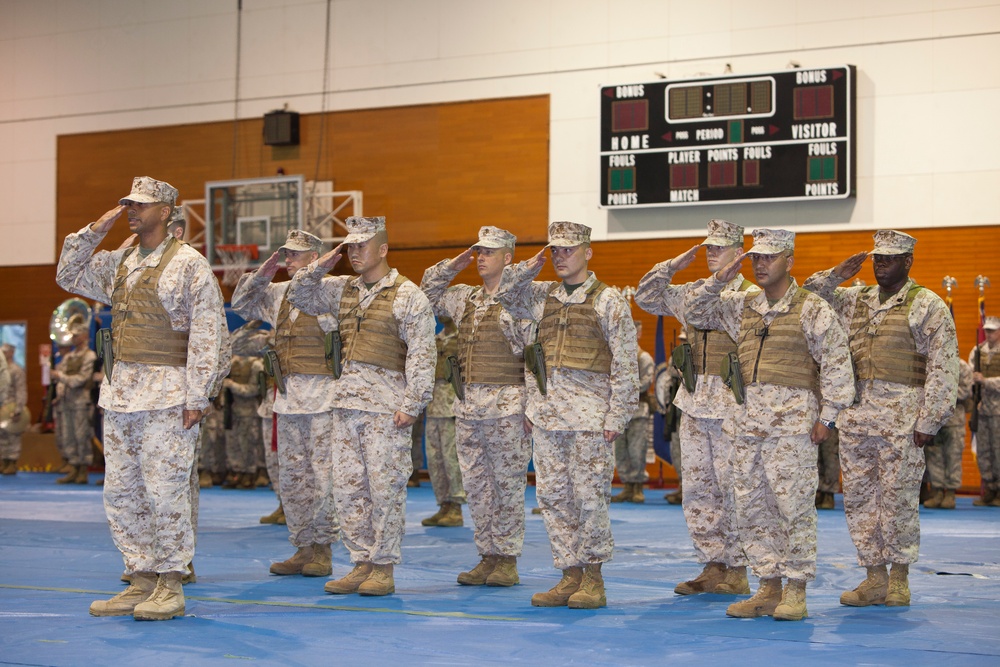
235	261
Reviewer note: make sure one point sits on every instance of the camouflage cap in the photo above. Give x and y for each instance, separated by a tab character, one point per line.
300	241
991	323
361	229
723	233
146	190
889	242
494	237
177	217
568	234
771	241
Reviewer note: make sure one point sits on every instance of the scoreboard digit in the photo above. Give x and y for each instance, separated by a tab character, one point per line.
780	136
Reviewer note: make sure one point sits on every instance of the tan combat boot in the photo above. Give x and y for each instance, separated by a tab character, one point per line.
637	495
677	497
948	502
559	595
140	587
81	475
188	576
625	495
793	602
452	516
262	479
379	582
205	479
899	586
433	519
590	595
989	495
762	603
870	591
710	577
321	564
349	583
273	516
505	572
935	500
478	575
69	478
734	582
826	502
294	564
166	602
282	521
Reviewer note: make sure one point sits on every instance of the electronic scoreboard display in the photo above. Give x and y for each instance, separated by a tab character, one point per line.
783	136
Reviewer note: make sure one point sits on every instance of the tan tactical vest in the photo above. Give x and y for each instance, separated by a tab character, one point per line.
777	353
886	352
140	326
372	336
446	347
484	353
299	344
990	364
709	347
571	335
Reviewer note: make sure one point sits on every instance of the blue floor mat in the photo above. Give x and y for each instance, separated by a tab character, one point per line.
57	557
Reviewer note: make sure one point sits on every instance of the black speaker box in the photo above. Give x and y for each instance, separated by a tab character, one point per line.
281	128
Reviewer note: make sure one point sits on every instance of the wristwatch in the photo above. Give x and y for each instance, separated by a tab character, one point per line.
829	424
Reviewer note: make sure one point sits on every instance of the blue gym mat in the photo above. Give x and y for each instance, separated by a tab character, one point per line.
57	556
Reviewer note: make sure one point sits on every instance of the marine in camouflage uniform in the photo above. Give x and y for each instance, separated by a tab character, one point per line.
74	375
7	466
304	409
943	456
171	352
16	393
493	448
243	439
212	446
388	355
828	466
796	368
591	360
632	445
269	434
988	432
705	448
442	454
905	356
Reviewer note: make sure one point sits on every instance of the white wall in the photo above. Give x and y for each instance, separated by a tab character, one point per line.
928	90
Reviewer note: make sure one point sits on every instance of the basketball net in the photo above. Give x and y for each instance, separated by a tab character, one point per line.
235	263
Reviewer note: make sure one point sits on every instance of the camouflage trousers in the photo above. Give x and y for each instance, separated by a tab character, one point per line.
676	457
271	455
10	446
305	468
828	463
708	502
242	443
371	465
194	490
774	487
987	450
943	457
417	442
212	456
573	472
630	451
882	496
442	461
494	454
149	457
75	435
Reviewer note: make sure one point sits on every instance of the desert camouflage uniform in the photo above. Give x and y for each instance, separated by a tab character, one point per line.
17	391
74	409
774	461
265	411
882	466
305	424
705	449
574	465
442	454
493	448
667	379
828	463
149	455
943	457
371	456
4	378
243	440
632	445
988	433
212	443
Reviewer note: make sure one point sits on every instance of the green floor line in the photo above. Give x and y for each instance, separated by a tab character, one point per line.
299	605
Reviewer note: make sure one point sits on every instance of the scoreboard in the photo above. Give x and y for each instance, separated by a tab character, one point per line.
780	136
